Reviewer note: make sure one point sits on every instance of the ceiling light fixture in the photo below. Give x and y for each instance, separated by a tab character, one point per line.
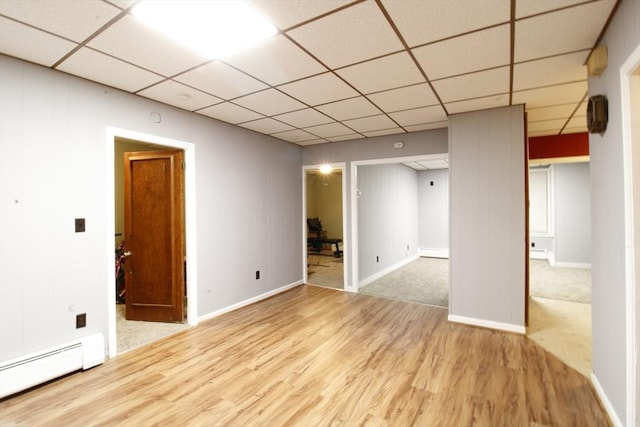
325	169
215	29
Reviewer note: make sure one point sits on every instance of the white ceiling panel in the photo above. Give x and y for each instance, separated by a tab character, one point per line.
381	74
383	132
287	13
276	61
23	42
269	102
567	30
419	116
475	85
550	113
576	124
547	125
296	135
72	19
427	21
96	66
304	118
179	95
495	101
550	71
349	109
372	123
552	95
346	37
427	126
404	98
130	40
345	137
221	80
123	4
319	89
230	113
528	8
471	52
267	126
329	130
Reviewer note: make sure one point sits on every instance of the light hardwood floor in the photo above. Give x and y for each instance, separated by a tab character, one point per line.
313	357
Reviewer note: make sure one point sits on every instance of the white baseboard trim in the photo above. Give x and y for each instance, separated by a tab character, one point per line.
249	301
489	324
584	265
387	270
433	253
538	254
605	402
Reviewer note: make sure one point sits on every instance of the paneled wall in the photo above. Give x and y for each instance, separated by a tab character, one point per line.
487	171
433	211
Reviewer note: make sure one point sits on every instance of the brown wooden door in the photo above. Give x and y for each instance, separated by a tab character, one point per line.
154	234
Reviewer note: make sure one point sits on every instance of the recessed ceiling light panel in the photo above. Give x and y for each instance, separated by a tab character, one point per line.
213	28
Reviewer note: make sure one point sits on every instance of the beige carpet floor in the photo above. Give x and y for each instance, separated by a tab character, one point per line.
325	270
132	333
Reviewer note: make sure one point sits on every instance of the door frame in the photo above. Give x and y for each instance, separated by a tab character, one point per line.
355	284
190	223
345	241
631	145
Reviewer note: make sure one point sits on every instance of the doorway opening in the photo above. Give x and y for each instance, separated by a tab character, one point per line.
400	212
125	334
324	219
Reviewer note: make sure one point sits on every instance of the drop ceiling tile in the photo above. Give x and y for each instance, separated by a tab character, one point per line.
276	61
74	20
475	85
112	72
133	42
346	137
230	113
464	54
550	71
381	74
23	42
295	135
549	113
366	124
346	37
577	124
567	30
476	104
221	80
392	131
541	133
528	8
419	116
122	4
269	102
547	125
267	126
427	126
427	21
349	109
312	142
319	89
287	13
304	118
179	95
329	130
404	98
552	95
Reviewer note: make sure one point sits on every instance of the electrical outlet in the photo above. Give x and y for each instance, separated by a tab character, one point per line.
80	225
81	320
377	258
257	274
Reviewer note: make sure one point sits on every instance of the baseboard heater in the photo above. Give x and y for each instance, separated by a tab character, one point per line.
36	368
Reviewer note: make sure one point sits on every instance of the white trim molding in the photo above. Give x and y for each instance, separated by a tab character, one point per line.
433	253
250	301
387	270
615	420
489	324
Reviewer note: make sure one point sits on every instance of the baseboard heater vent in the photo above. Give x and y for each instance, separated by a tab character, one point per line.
28	371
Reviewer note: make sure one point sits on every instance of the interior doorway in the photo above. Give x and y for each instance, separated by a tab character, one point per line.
324	225
127	334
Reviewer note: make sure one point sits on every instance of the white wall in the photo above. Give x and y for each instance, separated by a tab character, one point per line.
486	175
609	325
387	217
572	203
54	166
433	210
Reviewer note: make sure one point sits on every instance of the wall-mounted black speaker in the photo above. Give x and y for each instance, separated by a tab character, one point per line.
597	114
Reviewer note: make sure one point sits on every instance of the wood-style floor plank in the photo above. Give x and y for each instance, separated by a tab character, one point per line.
320	357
